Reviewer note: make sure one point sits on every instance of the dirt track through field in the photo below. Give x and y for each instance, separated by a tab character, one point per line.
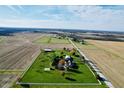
108	56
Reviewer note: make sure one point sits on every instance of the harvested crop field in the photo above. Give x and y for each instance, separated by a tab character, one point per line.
7	79
109	57
18	58
16	53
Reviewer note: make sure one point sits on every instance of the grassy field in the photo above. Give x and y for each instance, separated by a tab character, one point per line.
108	56
44	39
51	40
36	73
62	86
59	41
1	39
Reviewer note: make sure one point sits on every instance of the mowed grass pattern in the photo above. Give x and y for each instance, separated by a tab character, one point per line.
36	73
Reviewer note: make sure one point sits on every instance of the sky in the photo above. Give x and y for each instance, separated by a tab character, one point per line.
104	17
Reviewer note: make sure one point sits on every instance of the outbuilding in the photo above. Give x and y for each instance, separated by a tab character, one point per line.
48	50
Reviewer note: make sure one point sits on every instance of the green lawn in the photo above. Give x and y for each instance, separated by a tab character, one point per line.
62	86
36	73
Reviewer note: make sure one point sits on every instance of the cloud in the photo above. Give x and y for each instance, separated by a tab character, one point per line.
96	13
81	17
20	7
13	9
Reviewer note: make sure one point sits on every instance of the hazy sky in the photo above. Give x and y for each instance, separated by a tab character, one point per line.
71	17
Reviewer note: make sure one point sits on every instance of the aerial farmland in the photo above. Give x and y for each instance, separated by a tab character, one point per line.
28	60
20	53
61	46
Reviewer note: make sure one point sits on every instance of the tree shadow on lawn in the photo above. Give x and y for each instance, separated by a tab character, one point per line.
70	79
41	71
25	85
75	71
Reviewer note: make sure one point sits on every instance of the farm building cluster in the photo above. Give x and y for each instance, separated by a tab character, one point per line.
64	61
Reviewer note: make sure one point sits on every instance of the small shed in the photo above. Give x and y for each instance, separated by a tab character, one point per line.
48	50
46	69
